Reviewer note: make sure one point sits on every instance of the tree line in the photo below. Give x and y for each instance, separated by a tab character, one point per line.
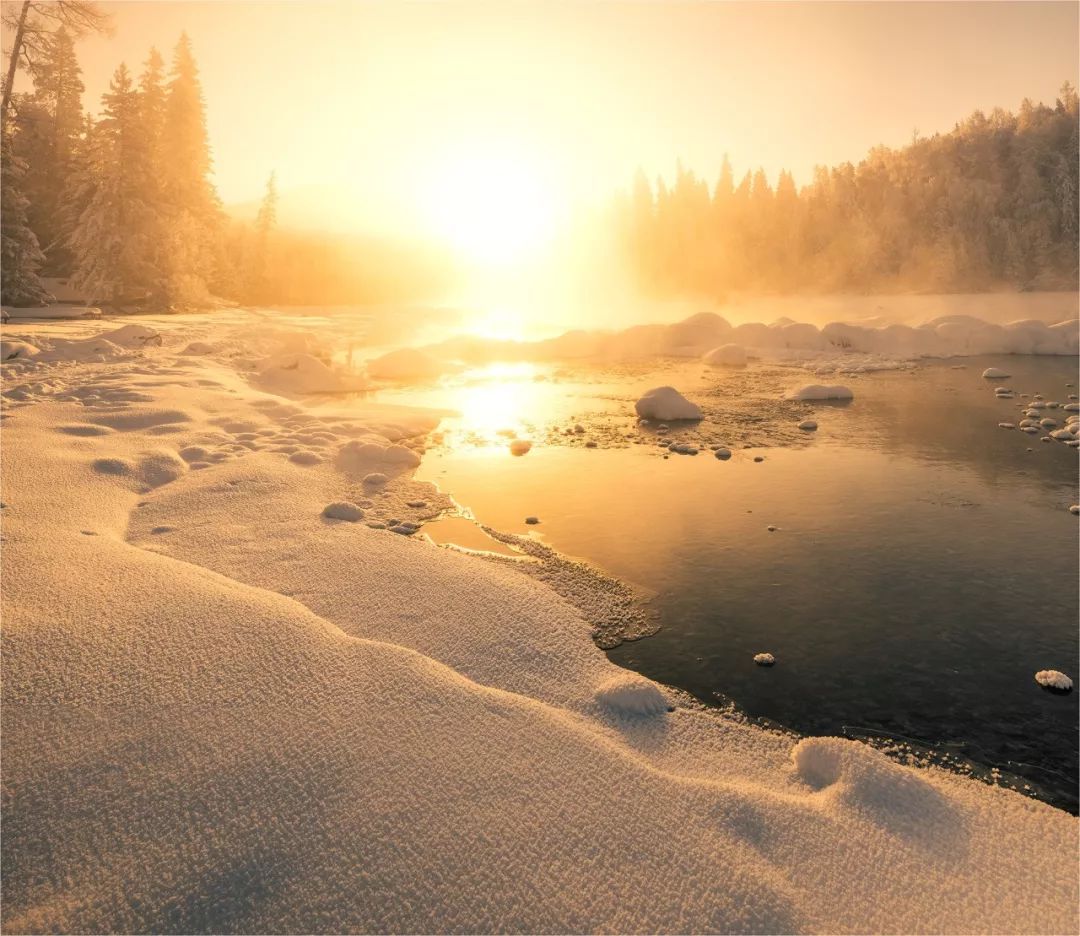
121	205
990	205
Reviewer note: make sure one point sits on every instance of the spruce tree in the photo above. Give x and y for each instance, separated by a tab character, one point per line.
115	240
20	254
255	287
194	219
50	127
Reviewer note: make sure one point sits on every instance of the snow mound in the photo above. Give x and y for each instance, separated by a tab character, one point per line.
160	467
133	336
728	355
631	694
15	350
1053	679
822	392
360	456
301	373
343	510
666	403
995	373
407	364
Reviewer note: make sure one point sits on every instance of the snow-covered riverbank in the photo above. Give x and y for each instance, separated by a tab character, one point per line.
223	710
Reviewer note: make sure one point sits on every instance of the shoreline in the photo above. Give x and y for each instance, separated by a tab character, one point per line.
206	680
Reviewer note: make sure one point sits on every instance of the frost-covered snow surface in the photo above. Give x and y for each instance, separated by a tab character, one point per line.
224	711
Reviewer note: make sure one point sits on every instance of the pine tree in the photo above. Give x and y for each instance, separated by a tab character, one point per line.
115	240
153	101
20	254
255	289
51	126
194	222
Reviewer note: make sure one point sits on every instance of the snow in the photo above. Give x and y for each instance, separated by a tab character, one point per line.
1053	679
728	355
359	456
666	404
11	350
302	373
407	364
837	347
631	694
133	336
263	721
822	392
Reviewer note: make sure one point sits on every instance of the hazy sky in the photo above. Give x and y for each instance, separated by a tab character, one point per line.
378	99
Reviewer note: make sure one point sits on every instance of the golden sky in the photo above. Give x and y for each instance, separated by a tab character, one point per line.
387	114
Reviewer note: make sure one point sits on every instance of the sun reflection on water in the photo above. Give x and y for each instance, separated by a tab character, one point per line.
500	400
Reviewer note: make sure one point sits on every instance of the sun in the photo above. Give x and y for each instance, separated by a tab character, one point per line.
492	202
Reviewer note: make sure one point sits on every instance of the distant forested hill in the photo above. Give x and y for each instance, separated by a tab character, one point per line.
990	205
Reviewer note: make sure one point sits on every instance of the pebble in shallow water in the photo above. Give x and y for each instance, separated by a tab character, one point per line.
764	659
808	425
723	454
532	521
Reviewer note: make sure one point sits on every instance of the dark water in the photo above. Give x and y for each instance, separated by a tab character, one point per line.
923	568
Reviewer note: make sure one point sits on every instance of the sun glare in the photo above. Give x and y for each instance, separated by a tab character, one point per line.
493	203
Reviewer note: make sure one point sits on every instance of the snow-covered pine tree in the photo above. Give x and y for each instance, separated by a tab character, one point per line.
194	209
153	100
50	126
20	254
114	242
255	285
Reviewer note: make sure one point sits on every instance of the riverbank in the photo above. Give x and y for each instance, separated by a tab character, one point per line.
225	710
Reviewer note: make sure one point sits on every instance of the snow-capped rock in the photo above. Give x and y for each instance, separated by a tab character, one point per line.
667	404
